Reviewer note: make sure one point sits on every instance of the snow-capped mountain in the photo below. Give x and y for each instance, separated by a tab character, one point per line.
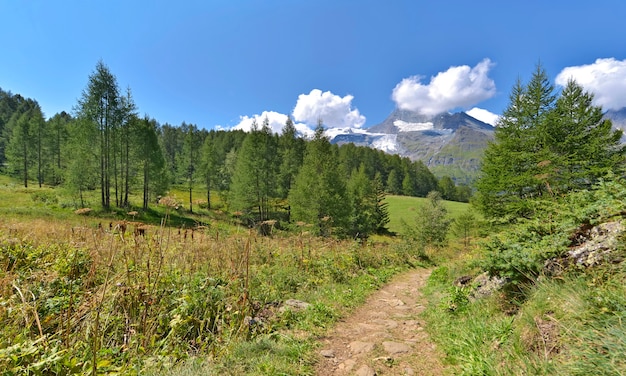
449	144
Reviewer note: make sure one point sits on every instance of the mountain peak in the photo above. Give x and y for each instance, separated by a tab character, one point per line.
449	143
412	121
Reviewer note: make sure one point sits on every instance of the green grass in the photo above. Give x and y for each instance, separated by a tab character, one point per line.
569	324
407	208
181	297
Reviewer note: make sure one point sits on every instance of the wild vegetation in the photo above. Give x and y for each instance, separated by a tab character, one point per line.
131	247
552	194
104	145
88	292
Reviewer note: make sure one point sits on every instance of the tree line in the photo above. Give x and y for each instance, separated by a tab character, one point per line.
104	145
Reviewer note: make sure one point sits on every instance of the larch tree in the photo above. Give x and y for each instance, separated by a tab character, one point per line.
319	195
83	158
363	195
545	144
24	131
583	144
189	160
208	166
150	158
58	126
128	122
254	180
291	149
100	107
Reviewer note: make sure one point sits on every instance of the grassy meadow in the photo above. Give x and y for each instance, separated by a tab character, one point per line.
405	208
134	292
198	294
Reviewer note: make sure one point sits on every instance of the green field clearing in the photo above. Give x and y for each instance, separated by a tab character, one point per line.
407	208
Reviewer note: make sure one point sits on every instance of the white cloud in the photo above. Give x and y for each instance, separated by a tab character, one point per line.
483	115
460	86
276	122
334	110
605	78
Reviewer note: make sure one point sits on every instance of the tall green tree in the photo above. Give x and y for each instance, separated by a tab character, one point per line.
189	158
319	195
291	148
582	144
24	148
545	144
382	207
58	126
394	183
369	209
254	180
100	107
172	140
8	106
149	156
82	171
128	122
209	166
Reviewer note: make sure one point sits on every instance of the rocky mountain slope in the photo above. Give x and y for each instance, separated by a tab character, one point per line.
449	144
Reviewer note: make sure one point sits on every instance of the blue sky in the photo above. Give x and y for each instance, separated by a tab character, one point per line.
222	63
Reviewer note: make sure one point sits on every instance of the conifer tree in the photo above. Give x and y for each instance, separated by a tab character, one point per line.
149	156
583	145
364	204
319	193
254	179
99	107
24	148
209	166
545	144
292	153
58	131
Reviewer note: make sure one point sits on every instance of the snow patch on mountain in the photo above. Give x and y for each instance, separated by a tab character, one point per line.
404	126
331	133
387	143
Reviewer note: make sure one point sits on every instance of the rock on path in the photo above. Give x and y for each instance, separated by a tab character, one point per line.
384	336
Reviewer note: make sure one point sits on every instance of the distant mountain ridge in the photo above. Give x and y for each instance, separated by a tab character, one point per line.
450	144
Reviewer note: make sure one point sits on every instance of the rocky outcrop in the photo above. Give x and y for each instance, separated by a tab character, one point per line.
591	246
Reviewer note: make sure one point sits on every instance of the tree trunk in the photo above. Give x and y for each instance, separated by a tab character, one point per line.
127	171
190	197
39	176
25	150
145	185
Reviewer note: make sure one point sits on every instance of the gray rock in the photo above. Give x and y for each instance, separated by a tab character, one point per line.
327	353
365	371
359	347
603	239
485	285
294	305
394	348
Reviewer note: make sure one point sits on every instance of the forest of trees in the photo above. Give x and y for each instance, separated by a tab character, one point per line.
104	145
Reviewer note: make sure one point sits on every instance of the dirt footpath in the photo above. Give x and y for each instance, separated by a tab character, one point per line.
385	336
